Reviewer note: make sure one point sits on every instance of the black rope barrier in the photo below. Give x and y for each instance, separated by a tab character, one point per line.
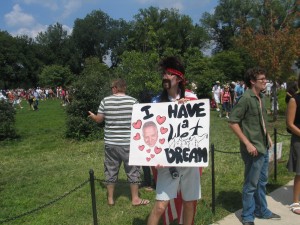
226	152
45	205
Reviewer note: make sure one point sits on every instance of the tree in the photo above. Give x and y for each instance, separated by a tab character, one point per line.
230	63
200	71
229	16
158	30
274	45
88	90
140	72
55	75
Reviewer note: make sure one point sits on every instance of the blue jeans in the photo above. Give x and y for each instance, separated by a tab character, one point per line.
254	189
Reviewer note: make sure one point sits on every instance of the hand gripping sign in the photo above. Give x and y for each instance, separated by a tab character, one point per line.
170	134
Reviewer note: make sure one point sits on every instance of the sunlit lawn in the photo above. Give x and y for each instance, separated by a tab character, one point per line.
42	166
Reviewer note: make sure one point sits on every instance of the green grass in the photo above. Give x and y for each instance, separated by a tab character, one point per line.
42	165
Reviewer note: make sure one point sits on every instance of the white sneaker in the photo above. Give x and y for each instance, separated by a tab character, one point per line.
227	117
218	109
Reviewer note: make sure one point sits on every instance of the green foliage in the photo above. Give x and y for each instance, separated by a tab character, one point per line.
7	118
200	72
55	75
281	101
88	91
140	72
230	63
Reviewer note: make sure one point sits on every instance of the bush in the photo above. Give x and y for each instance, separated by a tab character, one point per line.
92	86
281	101
7	118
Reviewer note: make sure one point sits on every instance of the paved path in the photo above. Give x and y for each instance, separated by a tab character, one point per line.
278	202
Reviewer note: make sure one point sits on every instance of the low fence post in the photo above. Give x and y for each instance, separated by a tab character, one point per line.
213	193
92	183
275	154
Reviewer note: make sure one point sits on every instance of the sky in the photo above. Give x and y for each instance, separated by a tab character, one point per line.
29	17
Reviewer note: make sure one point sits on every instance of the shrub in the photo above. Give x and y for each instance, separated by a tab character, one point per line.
89	89
7	118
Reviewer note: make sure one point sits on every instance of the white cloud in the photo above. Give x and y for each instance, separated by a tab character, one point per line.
71	6
18	18
30	32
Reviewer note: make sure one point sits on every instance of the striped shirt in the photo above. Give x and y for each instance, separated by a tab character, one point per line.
117	111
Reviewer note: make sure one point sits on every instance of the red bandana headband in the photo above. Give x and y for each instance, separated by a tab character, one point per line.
175	72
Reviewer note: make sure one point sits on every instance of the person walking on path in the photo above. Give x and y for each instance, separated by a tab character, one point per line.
248	122
293	165
116	111
188	179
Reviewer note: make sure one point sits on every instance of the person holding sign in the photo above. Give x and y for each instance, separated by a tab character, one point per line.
175	185
248	122
116	110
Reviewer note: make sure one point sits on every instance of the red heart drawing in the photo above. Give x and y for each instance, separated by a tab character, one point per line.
148	159
163	130
141	147
152	156
162	140
137	137
148	150
160	119
157	150
137	124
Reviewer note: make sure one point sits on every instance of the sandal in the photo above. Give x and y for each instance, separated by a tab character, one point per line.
295	204
296	210
148	188
142	202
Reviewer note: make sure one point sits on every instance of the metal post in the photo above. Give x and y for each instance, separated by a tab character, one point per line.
92	183
275	154
213	191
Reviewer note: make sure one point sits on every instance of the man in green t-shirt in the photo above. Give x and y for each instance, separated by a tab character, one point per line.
248	122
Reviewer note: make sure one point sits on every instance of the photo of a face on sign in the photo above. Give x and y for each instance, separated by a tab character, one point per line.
170	134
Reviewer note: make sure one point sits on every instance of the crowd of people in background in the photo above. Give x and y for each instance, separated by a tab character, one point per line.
33	95
225	96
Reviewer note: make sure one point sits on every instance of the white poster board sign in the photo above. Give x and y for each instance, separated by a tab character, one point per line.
278	152
170	134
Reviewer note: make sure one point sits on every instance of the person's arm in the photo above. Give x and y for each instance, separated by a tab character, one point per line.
99	118
239	133
290	117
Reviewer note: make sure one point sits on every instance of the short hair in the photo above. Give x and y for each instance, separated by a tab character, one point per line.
252	73
149	124
120	84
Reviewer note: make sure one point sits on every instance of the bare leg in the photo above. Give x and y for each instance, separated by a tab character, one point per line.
135	199
188	212
296	190
110	194
157	211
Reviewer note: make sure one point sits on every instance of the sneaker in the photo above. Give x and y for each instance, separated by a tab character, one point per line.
218	109
273	216
227	117
248	223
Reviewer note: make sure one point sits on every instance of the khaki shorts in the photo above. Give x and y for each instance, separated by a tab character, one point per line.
188	183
